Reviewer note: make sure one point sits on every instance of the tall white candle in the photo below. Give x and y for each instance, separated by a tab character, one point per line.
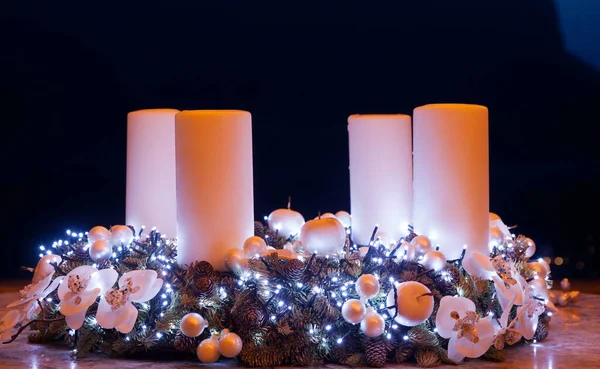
215	208
150	188
451	176
380	174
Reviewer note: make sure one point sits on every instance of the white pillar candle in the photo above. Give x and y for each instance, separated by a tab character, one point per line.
380	175
150	188
215	208
451	176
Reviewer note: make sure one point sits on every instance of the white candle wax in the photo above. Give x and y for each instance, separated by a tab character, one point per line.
150	188
380	175
215	208
451	176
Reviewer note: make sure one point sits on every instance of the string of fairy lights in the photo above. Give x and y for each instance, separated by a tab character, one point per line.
278	296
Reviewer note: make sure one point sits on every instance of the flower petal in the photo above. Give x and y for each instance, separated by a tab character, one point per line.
506	312
478	265
131	314
503	227
11	318
144	279
32	309
43	267
6	334
83	272
453	354
20	302
104	279
105	316
37	288
152	291
123	313
470	349
518	293
79	302
550	305
52	287
443	321
505	295
527	325
75	321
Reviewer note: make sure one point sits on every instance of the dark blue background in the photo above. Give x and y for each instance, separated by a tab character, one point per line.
70	72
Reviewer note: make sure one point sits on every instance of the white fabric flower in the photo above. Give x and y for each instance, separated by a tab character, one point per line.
8	323
470	335
28	304
507	280
528	315
498	223
43	267
505	333
83	285
116	309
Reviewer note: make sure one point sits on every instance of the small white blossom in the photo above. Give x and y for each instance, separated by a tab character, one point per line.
28	304
116	309
8	323
83	286
470	335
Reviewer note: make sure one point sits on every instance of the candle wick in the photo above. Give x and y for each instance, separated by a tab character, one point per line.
319	215
289	202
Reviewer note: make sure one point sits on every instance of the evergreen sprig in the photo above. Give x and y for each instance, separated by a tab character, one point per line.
286	312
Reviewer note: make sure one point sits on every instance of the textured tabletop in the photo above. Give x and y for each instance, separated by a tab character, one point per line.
572	343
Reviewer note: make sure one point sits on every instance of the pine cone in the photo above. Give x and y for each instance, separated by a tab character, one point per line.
293	270
202	269
545	319
446	288
454	273
541	332
104	264
427	358
205	287
131	262
251	316
259	229
71	339
408	275
422	337
81	253
186	344
376	353
403	353
410	236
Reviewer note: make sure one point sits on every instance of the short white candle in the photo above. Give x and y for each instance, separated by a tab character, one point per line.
215	207
451	176
380	175
150	187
